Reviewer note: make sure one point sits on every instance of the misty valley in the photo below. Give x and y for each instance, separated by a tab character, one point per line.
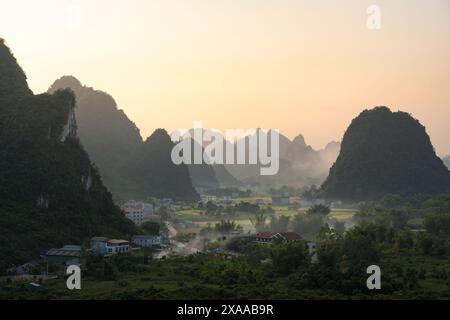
94	207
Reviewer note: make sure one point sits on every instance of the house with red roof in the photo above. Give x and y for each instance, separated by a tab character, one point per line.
267	237
103	246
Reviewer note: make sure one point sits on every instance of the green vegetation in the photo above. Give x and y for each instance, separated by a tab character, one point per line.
280	271
319	209
151	171
151	228
385	152
51	194
131	168
254	217
220	192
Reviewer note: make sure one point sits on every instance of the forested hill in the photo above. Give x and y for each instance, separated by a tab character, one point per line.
50	193
106	132
153	173
13	79
130	167
385	152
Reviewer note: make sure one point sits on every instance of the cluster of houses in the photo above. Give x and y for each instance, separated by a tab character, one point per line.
268	237
292	202
71	255
227	199
285	237
138	212
280	201
276	200
105	246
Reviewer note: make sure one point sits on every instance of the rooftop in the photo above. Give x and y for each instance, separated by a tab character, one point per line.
144	236
117	241
63	253
72	248
290	235
264	234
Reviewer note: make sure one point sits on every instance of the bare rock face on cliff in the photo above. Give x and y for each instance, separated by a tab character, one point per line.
447	161
385	152
130	167
51	194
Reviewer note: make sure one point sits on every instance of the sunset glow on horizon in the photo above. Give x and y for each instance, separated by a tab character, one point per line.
304	67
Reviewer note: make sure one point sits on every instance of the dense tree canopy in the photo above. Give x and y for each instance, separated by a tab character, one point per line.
385	152
51	194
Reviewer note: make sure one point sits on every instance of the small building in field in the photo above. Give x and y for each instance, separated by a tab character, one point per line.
68	255
280	201
34	285
287	237
259	201
274	237
103	246
227	199
115	246
265	237
147	241
209	198
98	245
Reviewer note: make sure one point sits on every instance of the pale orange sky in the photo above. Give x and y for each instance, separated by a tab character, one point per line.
300	66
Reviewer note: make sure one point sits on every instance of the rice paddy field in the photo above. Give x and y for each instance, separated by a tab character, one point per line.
195	219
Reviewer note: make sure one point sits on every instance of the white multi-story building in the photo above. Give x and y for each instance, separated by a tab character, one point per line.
138	212
147	241
208	198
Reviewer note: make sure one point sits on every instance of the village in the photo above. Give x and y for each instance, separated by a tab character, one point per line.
176	228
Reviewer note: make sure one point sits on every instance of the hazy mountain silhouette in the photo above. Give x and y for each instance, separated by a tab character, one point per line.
202	175
385	152
116	147
107	134
112	140
51	194
152	173
300	164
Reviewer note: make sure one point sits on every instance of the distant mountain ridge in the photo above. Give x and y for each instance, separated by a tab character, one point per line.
300	164
385	152
112	140
116	147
